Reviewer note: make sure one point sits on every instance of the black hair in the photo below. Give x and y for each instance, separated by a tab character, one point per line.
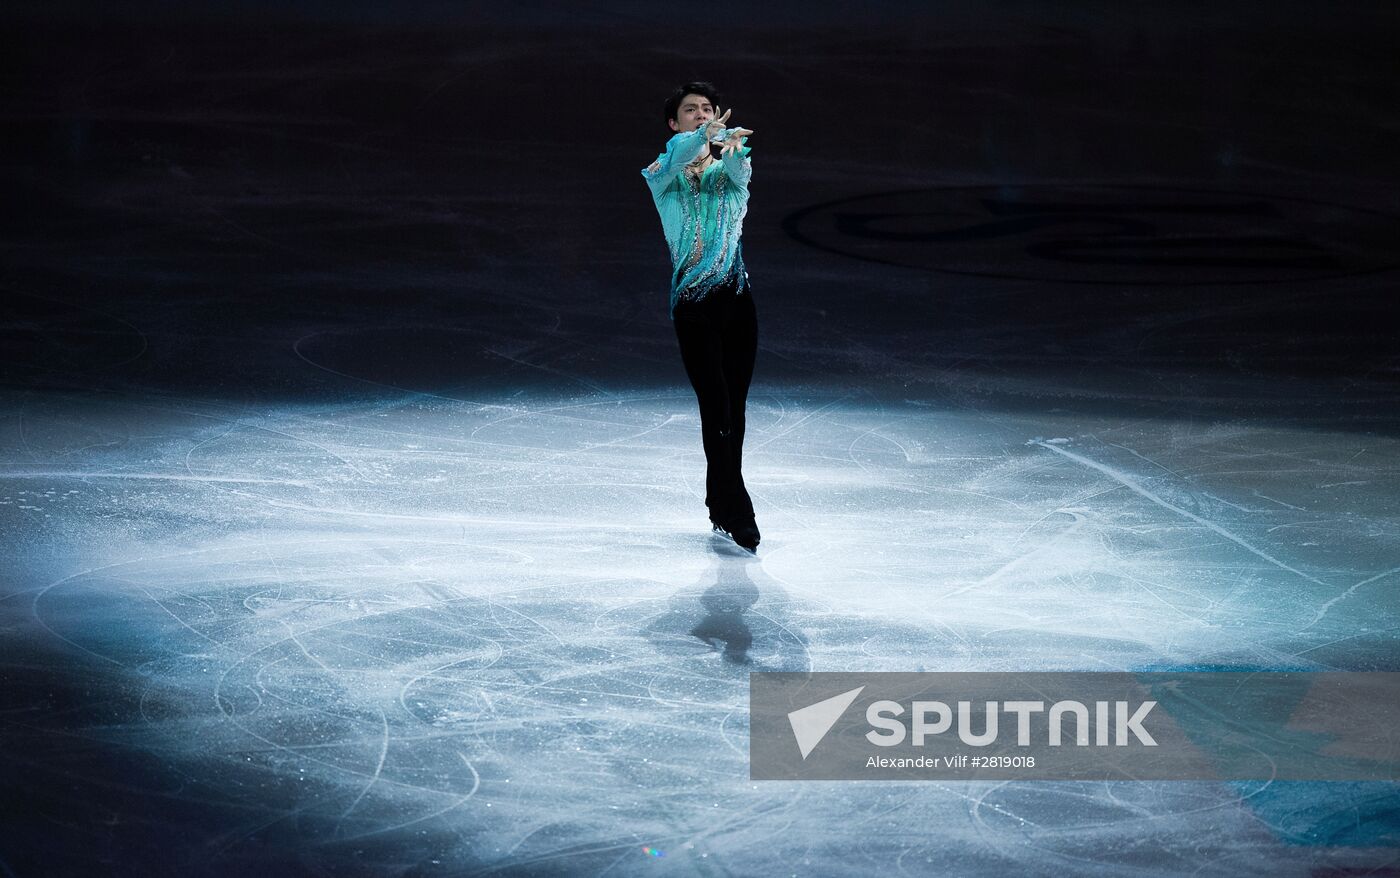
706	89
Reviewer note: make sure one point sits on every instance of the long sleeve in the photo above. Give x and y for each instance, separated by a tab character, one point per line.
702	221
681	149
737	165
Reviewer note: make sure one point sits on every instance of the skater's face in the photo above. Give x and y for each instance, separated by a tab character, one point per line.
694	111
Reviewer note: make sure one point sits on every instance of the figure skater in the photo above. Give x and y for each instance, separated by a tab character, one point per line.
701	188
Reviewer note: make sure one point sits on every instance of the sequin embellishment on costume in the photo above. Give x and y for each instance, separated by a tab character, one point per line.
702	216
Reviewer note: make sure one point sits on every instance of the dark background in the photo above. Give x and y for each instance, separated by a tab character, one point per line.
207	201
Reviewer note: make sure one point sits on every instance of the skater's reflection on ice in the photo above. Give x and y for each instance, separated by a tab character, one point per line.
725	603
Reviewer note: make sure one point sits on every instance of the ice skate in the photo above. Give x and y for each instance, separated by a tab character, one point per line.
744	534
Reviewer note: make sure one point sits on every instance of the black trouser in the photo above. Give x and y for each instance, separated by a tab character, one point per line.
718	336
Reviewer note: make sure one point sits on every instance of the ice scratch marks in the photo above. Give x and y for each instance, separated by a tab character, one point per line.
816	413
1014	563
549	370
1326	607
1279	502
378	769
158	477
457	802
38	616
386	642
297	349
1131	484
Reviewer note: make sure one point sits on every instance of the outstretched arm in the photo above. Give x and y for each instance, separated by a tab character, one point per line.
686	147
736	156
681	150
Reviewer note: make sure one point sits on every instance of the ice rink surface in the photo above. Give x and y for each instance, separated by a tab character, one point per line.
352	491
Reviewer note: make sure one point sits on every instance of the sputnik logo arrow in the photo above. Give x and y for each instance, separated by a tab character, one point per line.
811	723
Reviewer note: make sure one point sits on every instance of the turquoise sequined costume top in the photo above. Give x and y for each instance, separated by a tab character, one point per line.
702	219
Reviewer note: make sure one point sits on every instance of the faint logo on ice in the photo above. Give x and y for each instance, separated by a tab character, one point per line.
1127	235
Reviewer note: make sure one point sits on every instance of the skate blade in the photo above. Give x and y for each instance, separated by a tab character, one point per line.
728	536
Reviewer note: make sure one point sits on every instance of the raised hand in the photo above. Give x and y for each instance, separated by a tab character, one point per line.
717	123
734	142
